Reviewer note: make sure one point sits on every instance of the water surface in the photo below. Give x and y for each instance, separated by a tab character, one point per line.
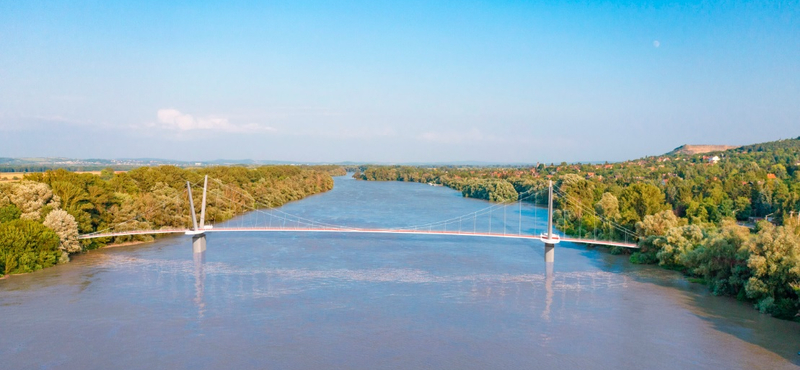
355	301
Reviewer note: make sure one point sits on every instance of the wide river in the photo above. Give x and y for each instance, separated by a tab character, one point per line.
358	301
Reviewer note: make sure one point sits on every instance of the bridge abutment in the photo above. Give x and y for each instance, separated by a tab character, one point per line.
199	243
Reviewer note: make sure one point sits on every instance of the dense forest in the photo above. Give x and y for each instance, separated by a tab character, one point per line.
42	216
730	219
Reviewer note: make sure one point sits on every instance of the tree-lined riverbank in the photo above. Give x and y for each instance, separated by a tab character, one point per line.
41	217
690	212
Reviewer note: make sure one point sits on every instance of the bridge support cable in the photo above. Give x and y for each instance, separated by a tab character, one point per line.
488	211
241	200
623	230
490	221
616	225
113	230
279	214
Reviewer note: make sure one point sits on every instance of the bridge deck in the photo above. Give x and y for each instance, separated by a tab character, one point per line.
362	231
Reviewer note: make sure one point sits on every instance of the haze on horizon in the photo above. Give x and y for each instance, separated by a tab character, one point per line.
411	81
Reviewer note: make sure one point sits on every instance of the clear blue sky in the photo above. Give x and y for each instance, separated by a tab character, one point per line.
516	81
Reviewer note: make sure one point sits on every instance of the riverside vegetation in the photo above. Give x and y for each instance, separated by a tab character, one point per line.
42	216
729	219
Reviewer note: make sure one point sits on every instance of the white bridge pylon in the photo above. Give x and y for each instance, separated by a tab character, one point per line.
298	224
549	239
198	233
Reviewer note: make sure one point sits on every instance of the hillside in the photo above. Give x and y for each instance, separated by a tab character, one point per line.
700	149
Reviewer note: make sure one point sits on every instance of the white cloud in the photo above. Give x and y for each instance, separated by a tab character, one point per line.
174	119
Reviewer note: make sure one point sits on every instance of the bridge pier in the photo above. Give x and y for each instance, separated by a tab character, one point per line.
549	252
199	243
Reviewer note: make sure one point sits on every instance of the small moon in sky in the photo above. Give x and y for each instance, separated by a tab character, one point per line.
656	43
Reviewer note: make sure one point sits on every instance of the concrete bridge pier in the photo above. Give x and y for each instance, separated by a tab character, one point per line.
549	252
199	243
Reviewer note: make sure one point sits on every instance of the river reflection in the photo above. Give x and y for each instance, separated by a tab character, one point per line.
548	286
199	282
298	301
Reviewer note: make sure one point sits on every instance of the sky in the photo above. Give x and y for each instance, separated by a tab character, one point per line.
383	81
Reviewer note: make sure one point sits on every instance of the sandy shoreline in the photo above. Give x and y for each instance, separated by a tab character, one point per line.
126	244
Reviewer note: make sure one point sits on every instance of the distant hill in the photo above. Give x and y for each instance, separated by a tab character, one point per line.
700	149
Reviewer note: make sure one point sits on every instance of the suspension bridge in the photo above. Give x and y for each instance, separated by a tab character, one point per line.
278	221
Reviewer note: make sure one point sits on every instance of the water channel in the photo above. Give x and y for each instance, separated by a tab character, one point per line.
356	301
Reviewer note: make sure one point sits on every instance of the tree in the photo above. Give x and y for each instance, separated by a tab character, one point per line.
107	174
657	224
640	200
608	207
66	228
31	197
721	259
9	213
742	208
651	233
678	243
27	246
579	194
775	264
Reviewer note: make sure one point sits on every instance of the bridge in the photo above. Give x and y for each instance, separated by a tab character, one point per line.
297	224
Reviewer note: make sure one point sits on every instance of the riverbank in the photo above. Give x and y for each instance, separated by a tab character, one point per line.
40	217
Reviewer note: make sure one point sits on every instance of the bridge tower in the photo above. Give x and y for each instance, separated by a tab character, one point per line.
550	240
198	233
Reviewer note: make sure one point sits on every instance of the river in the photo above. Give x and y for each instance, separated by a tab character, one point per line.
357	301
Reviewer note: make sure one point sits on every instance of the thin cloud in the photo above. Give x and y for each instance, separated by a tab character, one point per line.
456	137
473	136
38	122
173	119
349	133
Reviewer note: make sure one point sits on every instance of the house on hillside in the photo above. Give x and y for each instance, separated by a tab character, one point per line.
713	160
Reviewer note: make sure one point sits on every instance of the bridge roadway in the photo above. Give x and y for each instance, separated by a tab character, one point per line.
356	230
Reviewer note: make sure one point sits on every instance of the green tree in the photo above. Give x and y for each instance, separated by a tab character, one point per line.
775	265
27	246
640	200
721	259
9	213
678	243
